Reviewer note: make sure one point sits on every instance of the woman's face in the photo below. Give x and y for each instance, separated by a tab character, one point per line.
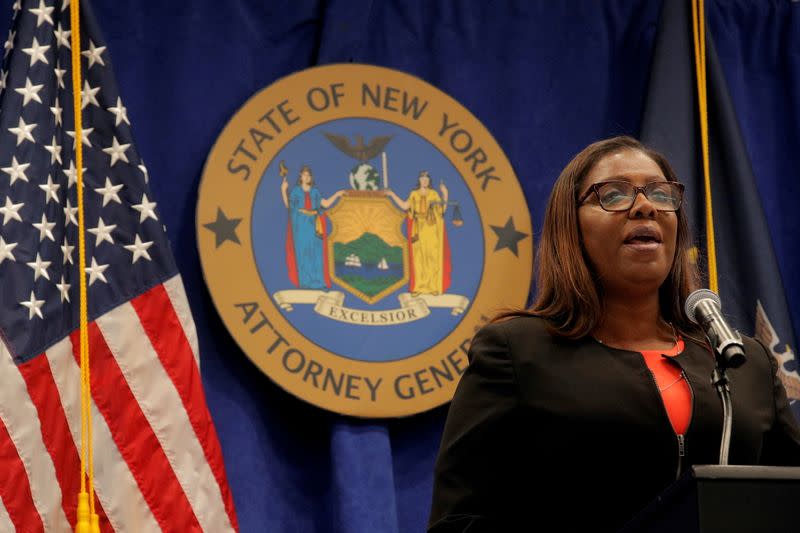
631	251
424	182
305	178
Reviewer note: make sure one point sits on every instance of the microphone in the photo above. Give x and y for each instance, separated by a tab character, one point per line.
703	307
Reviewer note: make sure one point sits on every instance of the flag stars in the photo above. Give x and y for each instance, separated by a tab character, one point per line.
63	287
144	173
5	250
9	44
146	209
139	249
36	51
85	132
95	272
120	112
55	151
110	192
62	36
23	131
39	268
3	78
50	190
103	232
11	210
17	170
117	151
56	110
69	214
45	228
42	13
34	306
93	53
72	174
60	75
29	92
66	250
88	95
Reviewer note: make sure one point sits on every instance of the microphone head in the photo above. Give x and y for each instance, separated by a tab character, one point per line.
695	298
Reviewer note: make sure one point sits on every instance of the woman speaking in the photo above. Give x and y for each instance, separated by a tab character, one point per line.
577	412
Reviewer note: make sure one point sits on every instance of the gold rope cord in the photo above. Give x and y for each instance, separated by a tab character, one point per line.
87	520
699	30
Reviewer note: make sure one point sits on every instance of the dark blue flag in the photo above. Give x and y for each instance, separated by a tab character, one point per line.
749	280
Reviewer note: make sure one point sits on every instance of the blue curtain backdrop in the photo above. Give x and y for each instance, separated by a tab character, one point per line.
545	77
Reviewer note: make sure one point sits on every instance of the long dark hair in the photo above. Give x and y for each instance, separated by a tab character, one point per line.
568	296
305	168
423	174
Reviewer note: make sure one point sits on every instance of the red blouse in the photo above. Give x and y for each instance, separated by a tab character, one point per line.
674	390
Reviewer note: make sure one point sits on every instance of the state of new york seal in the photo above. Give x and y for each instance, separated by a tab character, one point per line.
356	225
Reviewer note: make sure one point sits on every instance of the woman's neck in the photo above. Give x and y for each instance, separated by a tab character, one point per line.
634	324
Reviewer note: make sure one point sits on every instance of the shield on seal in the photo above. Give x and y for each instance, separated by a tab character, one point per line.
369	250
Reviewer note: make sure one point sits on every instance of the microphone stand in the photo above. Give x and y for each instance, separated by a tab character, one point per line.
720	380
729	354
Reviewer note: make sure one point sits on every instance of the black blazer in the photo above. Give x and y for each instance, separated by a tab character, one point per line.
547	434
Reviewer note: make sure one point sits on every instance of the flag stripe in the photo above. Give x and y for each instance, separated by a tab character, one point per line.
180	304
114	484
22	424
15	491
161	404
56	435
135	438
159	317
5	521
48	406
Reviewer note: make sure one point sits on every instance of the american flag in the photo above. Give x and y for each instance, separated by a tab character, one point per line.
157	460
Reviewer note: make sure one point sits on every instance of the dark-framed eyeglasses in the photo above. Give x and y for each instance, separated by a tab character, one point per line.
617	195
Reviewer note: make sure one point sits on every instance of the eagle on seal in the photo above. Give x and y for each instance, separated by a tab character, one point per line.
360	151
